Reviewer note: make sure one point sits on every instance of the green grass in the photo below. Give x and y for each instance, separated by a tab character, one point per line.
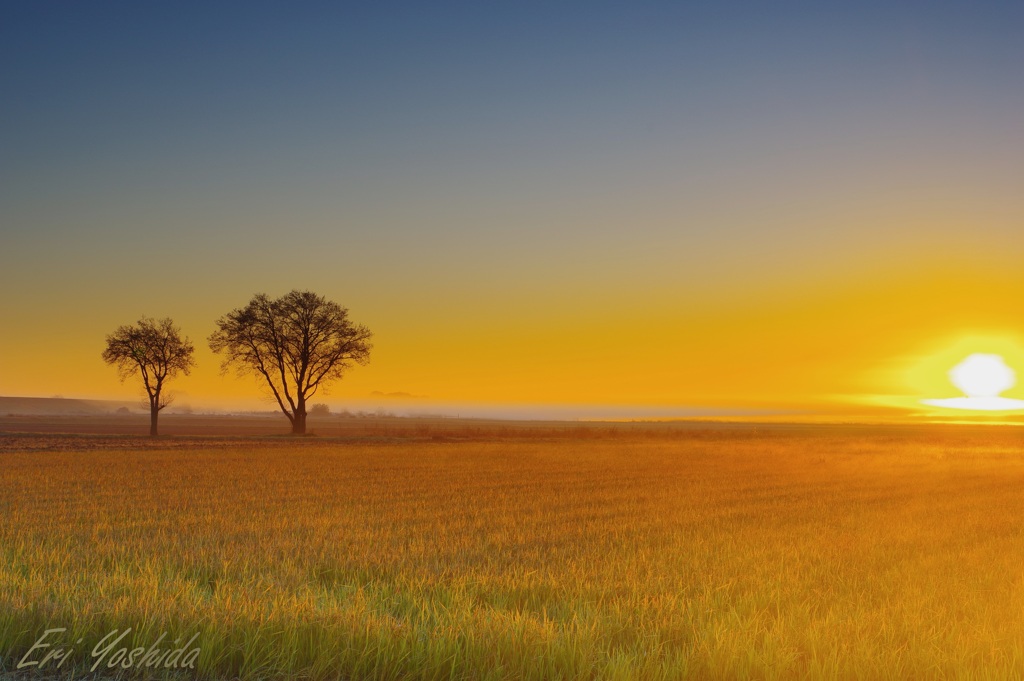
807	553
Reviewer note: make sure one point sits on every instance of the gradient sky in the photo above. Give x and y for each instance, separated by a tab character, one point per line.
649	204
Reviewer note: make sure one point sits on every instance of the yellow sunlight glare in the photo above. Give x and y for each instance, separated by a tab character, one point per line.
981	377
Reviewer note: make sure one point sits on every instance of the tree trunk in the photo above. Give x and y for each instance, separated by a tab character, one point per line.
154	411
299	423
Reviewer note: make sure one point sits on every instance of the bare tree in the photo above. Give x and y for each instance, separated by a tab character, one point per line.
296	343
156	351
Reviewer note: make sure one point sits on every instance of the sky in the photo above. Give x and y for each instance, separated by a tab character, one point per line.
583	207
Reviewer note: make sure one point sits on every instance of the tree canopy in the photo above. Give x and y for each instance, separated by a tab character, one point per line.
296	345
154	350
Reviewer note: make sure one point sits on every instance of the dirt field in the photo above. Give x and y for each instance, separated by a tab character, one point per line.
274	424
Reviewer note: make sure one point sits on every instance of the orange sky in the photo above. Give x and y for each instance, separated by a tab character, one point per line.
831	344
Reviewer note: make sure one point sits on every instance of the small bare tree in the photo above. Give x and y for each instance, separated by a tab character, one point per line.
156	351
296	344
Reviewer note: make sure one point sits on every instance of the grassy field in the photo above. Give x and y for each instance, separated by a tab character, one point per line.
615	553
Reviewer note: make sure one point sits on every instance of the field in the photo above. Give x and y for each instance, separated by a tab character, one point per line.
460	551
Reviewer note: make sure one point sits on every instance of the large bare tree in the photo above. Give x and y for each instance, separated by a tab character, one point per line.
154	350
296	343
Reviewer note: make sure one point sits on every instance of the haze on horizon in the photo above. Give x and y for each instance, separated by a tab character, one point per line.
654	207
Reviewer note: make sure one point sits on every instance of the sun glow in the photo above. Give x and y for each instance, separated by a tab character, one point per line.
981	377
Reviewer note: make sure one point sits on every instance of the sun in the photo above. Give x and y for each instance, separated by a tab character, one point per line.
981	377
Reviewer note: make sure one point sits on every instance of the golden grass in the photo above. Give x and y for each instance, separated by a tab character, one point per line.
725	553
